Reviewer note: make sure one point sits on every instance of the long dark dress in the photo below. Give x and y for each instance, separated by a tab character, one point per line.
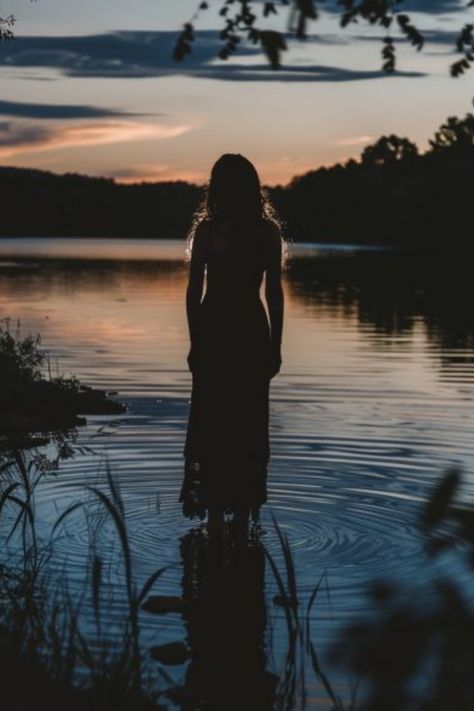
227	443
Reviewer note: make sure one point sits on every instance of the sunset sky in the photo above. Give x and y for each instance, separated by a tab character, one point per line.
90	86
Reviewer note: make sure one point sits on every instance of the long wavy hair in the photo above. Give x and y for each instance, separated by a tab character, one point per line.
234	194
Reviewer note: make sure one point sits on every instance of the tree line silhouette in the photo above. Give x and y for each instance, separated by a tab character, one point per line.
392	195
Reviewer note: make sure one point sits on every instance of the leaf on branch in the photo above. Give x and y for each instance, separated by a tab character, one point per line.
6	35
184	43
225	33
273	43
305	10
269	9
388	55
462	65
248	18
347	18
6	31
410	31
465	38
254	35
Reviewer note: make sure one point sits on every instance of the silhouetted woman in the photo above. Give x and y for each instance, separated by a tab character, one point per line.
235	350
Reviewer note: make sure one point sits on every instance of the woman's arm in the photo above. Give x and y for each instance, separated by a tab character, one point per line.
274	297
195	284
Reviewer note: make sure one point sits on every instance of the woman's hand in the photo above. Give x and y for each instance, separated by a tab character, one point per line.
275	361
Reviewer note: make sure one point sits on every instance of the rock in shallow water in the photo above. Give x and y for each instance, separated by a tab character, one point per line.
161	604
171	654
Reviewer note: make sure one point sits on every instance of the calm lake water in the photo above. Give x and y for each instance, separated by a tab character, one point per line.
374	402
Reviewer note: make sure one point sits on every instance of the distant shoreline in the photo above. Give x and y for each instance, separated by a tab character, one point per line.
384	200
27	252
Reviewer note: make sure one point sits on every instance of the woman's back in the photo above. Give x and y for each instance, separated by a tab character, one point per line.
236	258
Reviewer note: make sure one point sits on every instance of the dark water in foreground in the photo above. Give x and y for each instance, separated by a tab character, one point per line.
374	401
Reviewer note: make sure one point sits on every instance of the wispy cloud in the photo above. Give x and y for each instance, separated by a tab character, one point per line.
18	137
57	111
353	141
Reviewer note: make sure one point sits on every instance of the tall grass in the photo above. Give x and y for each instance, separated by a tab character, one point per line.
128	665
41	615
301	650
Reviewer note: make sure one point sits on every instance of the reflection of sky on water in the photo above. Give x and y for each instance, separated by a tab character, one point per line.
90	249
373	402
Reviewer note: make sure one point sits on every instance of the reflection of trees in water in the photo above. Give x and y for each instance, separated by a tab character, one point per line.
390	291
225	617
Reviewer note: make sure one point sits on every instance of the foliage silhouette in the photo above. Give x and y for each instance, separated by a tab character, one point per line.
456	134
6	31
387	150
393	196
94	206
34	400
242	20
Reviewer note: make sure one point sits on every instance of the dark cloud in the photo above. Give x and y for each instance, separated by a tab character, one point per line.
56	111
114	54
13	135
431	7
149	54
427	7
442	38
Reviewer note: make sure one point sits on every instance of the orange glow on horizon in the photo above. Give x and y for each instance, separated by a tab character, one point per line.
93	134
157	175
271	174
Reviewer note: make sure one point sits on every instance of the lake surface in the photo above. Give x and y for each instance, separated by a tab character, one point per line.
374	402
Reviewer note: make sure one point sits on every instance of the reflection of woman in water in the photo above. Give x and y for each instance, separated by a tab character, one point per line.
235	351
225	619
